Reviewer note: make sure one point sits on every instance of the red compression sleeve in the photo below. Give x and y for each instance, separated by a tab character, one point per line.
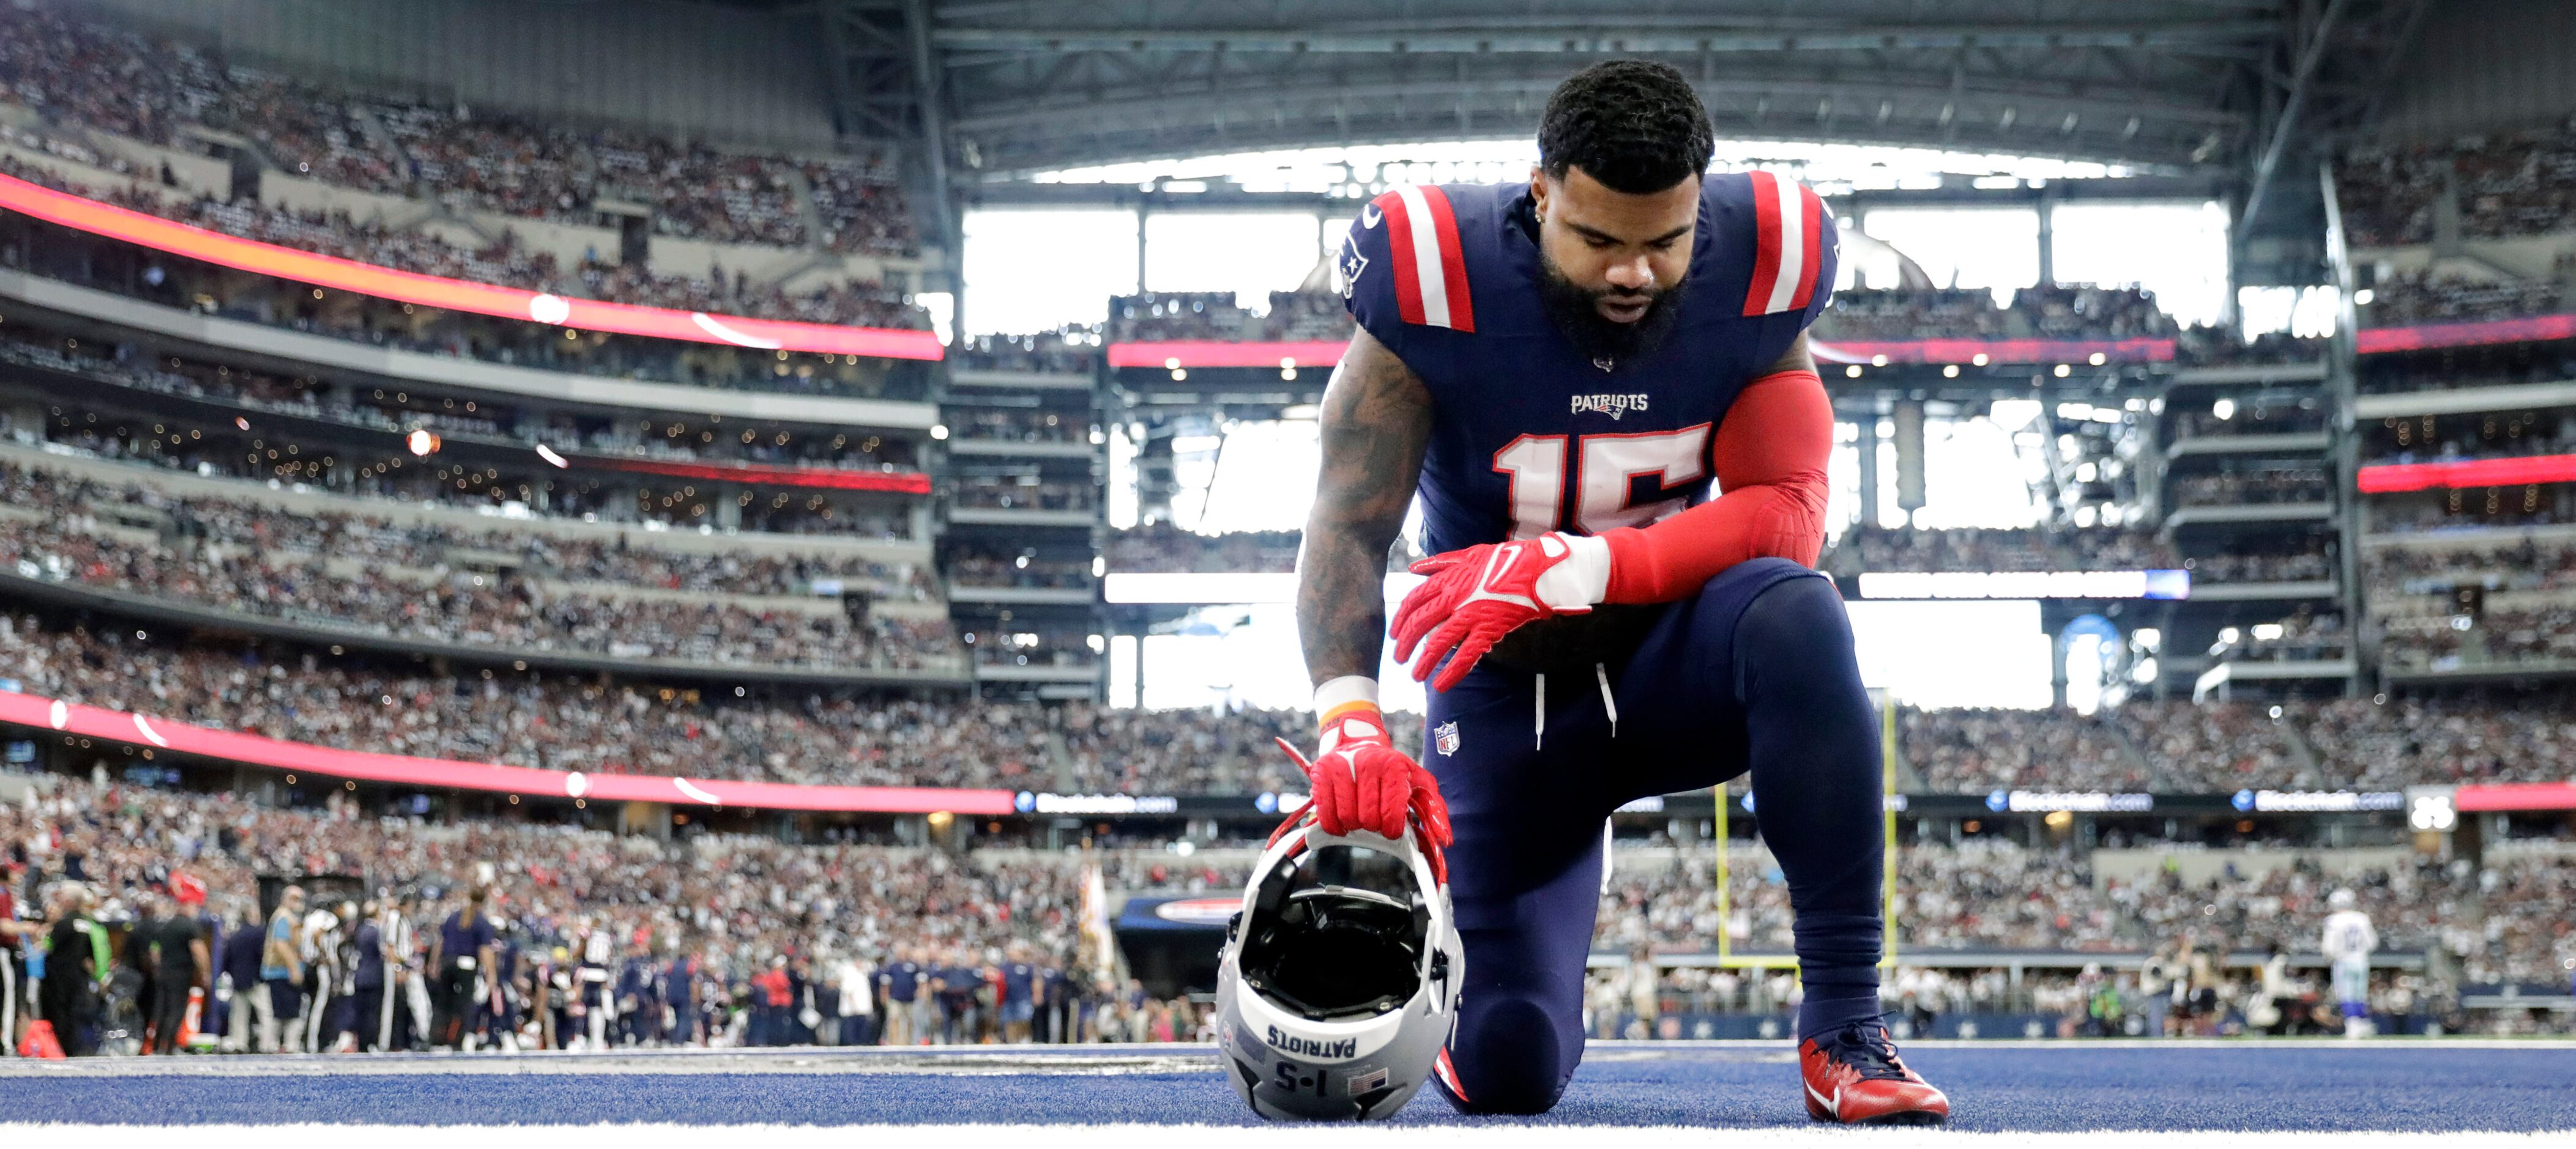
1770	456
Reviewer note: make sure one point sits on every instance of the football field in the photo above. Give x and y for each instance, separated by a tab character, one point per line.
1142	1097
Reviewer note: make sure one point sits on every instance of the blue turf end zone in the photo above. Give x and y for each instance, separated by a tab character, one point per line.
1995	1086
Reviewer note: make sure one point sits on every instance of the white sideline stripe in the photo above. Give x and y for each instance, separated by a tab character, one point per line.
1427	267
1793	243
1132	1136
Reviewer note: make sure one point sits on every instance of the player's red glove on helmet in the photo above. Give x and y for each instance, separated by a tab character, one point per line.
1361	782
1476	595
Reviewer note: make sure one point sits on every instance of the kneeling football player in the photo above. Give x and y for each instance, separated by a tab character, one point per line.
1558	370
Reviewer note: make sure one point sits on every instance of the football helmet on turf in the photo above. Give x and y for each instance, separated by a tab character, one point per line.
1339	980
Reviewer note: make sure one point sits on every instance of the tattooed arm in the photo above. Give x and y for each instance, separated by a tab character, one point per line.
1376	421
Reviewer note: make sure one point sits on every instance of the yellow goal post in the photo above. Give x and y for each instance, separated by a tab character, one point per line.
1727	958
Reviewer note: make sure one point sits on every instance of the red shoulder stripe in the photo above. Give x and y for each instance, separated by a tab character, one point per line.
1766	244
1453	260
1399	249
1813	240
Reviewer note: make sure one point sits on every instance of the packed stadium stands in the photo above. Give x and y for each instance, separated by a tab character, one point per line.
188	286
2507	184
502	262
1071	351
352	576
1162	546
697	923
91	75
1291	317
2048	312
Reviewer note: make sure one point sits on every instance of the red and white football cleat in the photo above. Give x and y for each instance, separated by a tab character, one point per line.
1854	1077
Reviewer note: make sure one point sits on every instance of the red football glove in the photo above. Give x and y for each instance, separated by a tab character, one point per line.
1478	594
1361	782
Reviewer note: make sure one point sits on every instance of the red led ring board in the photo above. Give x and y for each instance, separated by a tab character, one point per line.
2462	474
455	294
2472	333
818	478
440	773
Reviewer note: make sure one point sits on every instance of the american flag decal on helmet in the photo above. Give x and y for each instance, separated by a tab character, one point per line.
1788	231
1430	268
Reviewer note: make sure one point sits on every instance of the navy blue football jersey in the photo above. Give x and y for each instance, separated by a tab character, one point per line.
1529	434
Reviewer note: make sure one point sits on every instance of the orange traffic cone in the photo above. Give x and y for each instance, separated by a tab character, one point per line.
40	1043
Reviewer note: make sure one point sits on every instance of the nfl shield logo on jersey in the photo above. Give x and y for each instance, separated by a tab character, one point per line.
1444	738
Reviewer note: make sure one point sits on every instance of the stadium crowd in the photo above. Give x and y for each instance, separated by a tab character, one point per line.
1291	317
2251	419
2417	297
585	940
239	559
582	939
1069	351
2499	366
1021	426
113	80
503	262
1161	546
581	723
578	722
1997	549
985	565
375	541
2382	743
2215	949
2053	311
77	258
2218	346
2302	484
1017	493
2507	185
2442	438
396	410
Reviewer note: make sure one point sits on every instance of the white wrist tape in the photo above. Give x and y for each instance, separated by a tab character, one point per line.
1582	580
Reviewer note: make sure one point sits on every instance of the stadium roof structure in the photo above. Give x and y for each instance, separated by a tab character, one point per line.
1001	89
2173	83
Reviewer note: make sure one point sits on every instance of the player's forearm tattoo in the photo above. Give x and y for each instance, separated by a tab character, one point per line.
1376	420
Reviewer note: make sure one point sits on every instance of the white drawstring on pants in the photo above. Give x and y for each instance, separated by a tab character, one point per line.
1538	695
1538	734
1609	705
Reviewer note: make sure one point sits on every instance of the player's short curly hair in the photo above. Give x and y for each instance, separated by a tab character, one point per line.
1634	125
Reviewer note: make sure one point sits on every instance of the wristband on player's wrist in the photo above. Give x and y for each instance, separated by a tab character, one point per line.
1346	710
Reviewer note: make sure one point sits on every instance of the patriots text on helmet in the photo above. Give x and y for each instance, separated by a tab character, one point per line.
1294	1045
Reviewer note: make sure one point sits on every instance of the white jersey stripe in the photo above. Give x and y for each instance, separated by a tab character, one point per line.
1427	267
1793	245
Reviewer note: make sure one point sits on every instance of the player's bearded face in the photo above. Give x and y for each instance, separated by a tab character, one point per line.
1613	264
1584	313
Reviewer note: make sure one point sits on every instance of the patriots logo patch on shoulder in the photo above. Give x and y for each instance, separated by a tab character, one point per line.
1349	264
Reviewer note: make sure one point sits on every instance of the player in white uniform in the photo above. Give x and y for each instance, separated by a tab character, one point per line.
2347	943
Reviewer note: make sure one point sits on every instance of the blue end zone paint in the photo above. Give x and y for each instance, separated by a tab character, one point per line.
2072	1087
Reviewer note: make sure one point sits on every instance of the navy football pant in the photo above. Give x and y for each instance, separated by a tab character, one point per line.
1754	674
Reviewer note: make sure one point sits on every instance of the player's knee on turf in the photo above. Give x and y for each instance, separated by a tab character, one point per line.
1507	1058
